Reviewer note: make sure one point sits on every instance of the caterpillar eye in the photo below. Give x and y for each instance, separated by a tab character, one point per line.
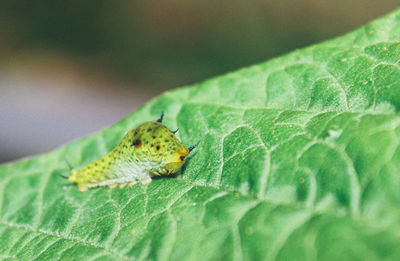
182	158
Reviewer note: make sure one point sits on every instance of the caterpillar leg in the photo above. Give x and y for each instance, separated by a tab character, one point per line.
82	188
112	186
146	181
132	184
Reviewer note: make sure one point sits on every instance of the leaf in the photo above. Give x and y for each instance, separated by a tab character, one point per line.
299	160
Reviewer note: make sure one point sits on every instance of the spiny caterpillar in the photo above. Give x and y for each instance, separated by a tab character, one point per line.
149	150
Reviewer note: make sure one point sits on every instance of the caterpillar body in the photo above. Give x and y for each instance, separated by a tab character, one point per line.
149	150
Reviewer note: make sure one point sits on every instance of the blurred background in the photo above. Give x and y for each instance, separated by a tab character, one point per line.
69	68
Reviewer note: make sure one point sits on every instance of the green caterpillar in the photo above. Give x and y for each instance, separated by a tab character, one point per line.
149	150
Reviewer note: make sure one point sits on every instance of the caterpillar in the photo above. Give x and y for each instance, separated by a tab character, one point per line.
149	150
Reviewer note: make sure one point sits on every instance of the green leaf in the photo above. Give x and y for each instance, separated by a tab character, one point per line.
299	159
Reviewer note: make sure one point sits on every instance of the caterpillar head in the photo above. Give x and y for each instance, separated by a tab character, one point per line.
154	142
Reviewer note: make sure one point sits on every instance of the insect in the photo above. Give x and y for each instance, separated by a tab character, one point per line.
149	150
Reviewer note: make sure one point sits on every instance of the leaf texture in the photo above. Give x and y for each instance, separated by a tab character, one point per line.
299	159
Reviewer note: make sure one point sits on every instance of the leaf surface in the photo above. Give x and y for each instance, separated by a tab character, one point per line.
299	159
